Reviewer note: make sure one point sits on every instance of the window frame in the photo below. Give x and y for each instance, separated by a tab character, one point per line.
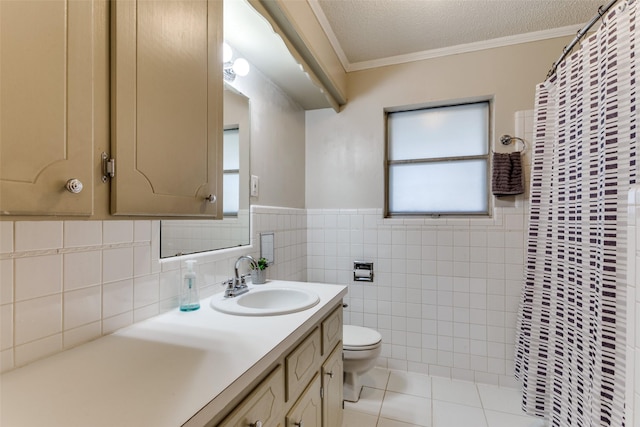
486	157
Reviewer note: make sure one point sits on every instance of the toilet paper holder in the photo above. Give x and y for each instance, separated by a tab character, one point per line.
362	271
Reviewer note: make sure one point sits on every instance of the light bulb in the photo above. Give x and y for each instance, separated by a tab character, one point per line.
241	67
227	53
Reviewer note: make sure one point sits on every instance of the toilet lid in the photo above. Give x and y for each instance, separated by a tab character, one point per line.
357	336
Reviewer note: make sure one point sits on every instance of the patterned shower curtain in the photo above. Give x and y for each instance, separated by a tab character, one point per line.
570	347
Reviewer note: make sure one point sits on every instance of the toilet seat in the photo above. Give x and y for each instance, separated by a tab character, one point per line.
357	338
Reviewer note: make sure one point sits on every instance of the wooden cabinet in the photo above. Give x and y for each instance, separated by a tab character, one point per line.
307	411
331	331
304	389
332	379
166	117
302	364
46	106
263	406
166	107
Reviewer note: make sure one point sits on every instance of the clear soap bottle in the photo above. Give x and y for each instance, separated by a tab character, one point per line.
189	300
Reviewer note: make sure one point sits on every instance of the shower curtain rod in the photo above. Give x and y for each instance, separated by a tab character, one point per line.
567	49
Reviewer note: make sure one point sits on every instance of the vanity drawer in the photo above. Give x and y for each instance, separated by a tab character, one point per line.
303	363
265	404
332	330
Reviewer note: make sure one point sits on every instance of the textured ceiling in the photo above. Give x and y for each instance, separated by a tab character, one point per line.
369	33
369	30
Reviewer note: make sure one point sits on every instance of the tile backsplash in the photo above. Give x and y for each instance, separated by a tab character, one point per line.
63	283
445	293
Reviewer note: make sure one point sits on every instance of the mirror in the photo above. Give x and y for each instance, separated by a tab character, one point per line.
182	237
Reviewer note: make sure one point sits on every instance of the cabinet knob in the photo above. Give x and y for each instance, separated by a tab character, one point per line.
300	424
211	198
256	424
73	186
330	374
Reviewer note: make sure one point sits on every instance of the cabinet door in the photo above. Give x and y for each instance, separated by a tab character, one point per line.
332	330
332	378
46	106
263	406
302	364
167	107
307	411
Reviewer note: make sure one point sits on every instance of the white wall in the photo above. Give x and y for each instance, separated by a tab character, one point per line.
345	151
277	142
446	291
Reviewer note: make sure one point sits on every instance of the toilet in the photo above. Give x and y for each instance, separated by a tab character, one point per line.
361	347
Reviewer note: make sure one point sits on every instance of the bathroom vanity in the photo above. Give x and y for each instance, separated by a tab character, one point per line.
201	368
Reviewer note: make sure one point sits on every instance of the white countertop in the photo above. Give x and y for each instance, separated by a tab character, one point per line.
159	372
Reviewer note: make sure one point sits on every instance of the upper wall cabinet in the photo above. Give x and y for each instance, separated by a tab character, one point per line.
167	108
46	107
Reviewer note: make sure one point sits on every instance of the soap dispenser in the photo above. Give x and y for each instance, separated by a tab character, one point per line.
189	300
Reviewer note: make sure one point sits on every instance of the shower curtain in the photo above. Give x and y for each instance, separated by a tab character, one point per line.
570	344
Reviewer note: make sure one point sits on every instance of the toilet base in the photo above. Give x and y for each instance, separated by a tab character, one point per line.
351	387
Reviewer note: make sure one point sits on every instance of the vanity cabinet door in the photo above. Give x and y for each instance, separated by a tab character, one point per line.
264	406
46	106
332	378
331	331
167	108
307	412
302	364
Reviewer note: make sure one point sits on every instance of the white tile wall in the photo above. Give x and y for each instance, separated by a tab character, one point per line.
63	283
37	276
444	296
117	232
82	269
82	307
32	236
82	233
446	291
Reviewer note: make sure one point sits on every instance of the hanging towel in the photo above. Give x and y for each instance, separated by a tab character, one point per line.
507	174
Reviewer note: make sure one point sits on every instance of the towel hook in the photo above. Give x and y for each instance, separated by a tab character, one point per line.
507	139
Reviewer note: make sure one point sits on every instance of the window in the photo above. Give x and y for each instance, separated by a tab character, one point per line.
231	172
438	160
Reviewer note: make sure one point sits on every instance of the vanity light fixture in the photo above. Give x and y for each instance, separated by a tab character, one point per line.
232	68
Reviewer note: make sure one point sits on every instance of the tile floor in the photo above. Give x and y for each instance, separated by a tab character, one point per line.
403	399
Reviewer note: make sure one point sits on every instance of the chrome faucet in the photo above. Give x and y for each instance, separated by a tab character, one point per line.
238	285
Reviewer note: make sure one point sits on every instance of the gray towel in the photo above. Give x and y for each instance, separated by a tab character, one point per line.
507	174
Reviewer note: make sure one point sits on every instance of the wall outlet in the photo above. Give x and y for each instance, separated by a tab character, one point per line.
255	186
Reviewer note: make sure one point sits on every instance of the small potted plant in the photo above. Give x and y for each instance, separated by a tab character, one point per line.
259	272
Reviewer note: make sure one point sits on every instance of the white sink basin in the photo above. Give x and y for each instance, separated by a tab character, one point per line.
266	302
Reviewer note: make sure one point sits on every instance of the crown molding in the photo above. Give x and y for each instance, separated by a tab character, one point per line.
570	30
466	48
